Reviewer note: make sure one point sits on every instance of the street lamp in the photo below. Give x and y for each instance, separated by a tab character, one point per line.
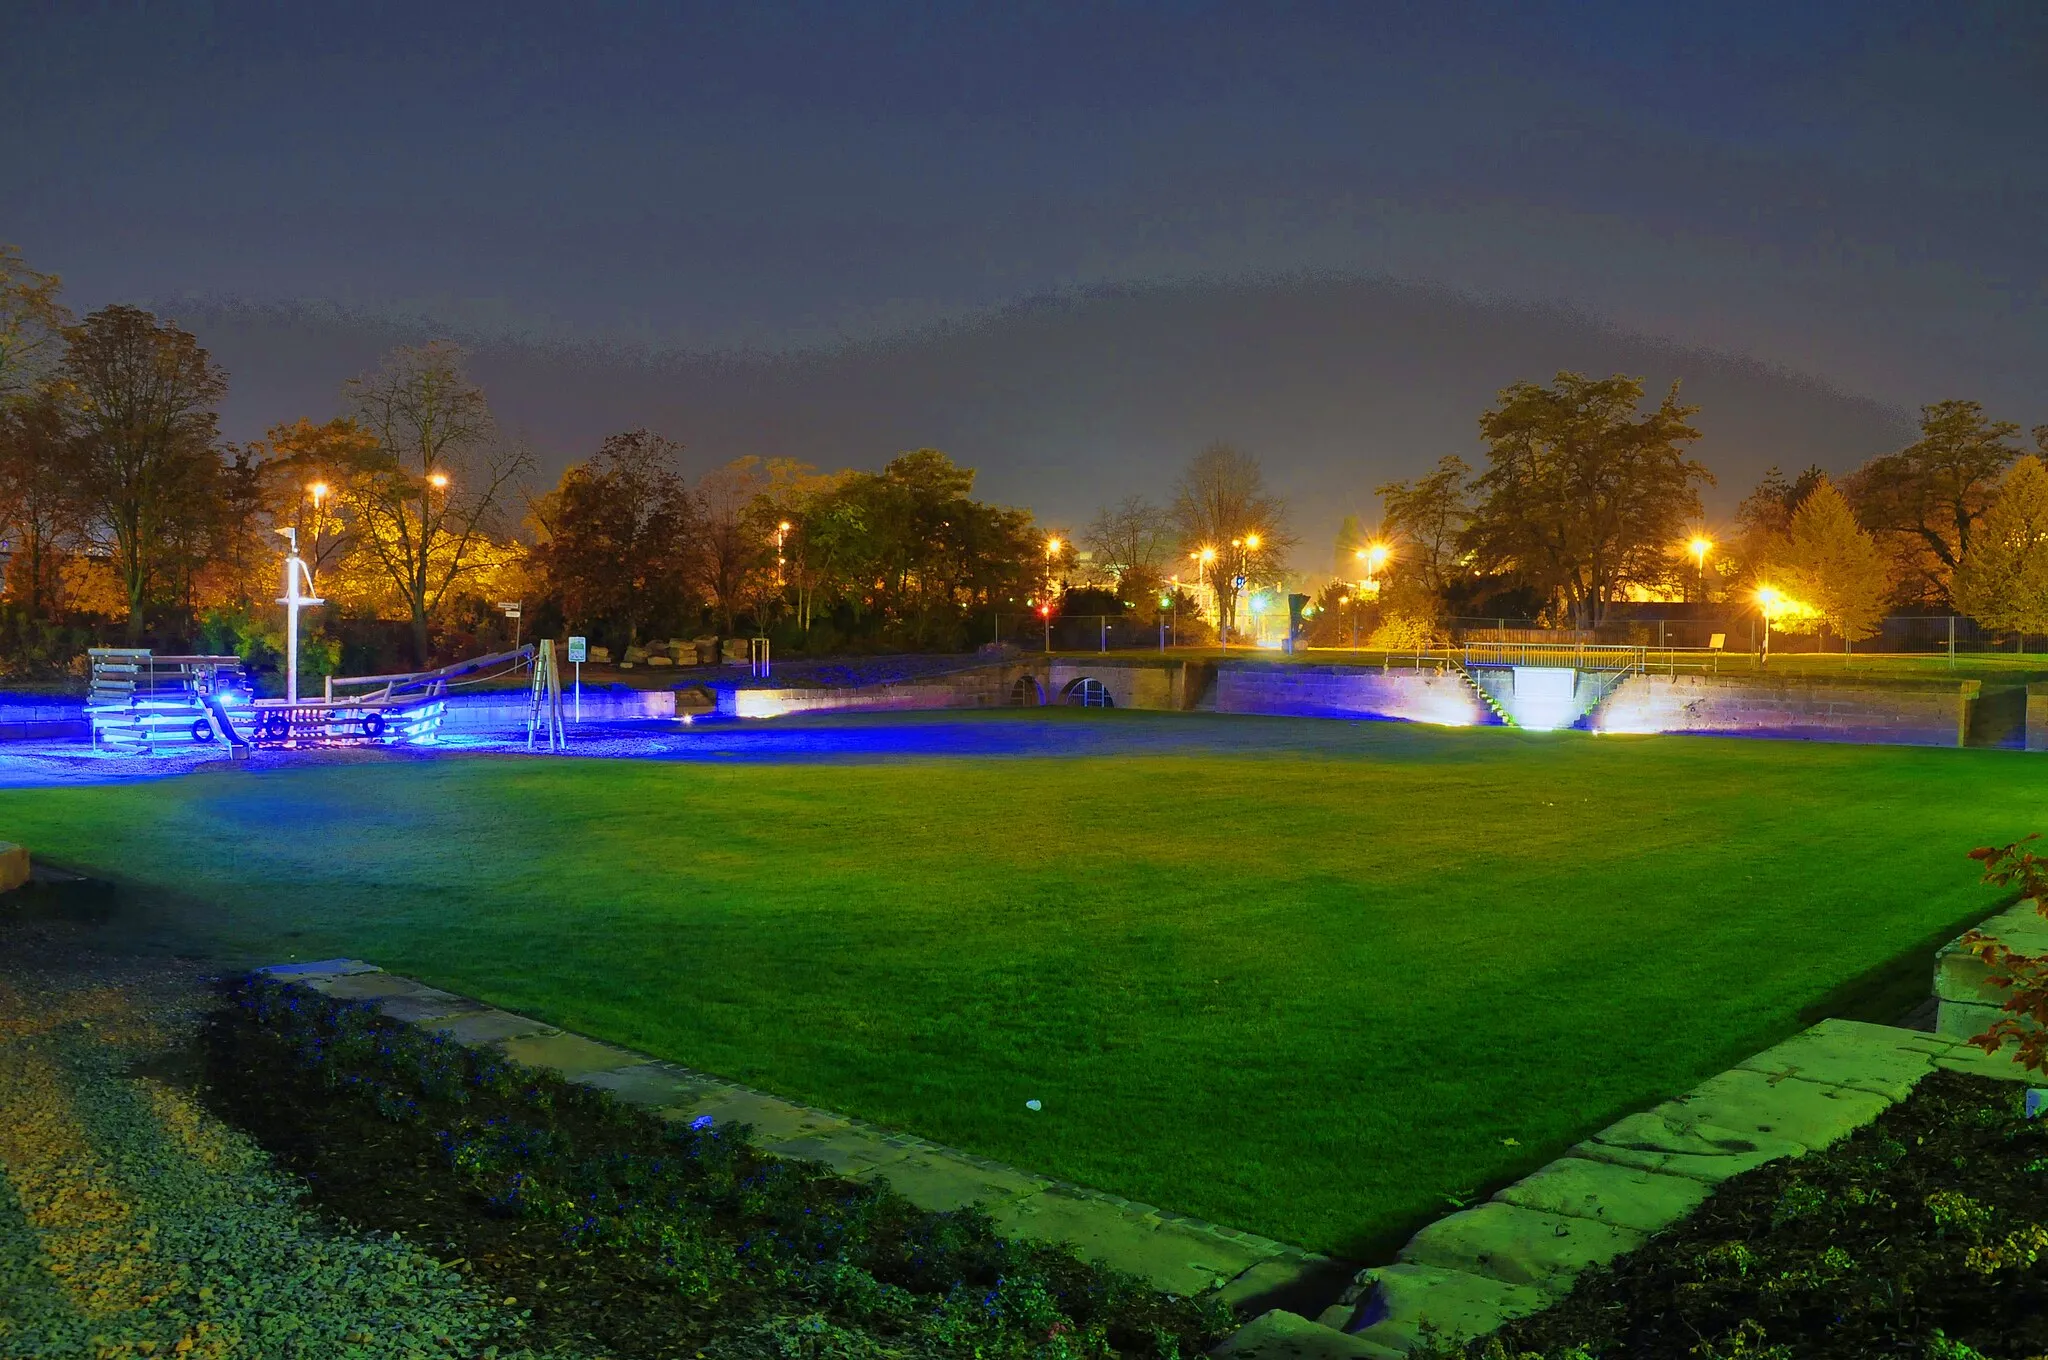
438	480
780	530
1769	602
1700	546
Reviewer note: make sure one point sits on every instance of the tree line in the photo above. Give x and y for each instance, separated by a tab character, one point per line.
127	516
1589	497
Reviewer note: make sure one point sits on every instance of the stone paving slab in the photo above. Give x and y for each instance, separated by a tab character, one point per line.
1173	1255
572	1055
1404	1301
1627	1197
1879	1059
1519	1246
1174	1252
1810	1113
652	1085
1281	1335
301	972
478	1028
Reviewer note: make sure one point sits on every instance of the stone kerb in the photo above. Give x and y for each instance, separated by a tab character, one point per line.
1468	1273
1176	1252
1965	1001
42	717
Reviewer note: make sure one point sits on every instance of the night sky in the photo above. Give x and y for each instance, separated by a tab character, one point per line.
1069	245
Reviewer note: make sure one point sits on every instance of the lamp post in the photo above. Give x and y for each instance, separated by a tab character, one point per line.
293	600
1700	546
780	530
1767	601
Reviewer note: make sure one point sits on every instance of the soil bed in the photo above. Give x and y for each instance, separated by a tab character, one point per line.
1923	1235
625	1234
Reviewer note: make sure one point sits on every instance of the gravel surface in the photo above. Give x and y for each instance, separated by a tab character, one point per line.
133	1223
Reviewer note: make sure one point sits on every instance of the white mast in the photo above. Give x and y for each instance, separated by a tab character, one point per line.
294	572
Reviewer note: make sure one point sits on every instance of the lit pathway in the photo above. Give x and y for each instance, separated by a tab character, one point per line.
1173	1251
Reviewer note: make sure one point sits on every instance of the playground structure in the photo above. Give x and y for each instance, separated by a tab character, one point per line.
148	704
145	703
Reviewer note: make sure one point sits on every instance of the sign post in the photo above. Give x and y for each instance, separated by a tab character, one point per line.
578	649
512	610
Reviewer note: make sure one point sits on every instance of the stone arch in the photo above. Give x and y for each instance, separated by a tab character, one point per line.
1027	693
1087	692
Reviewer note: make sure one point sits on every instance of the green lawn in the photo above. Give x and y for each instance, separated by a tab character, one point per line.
1309	993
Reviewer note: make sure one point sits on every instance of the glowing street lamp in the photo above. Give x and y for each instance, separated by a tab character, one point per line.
318	491
780	530
1772	603
1700	546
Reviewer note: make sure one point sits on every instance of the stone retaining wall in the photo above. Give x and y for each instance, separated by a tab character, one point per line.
978	687
42	717
1348	692
1893	712
499	710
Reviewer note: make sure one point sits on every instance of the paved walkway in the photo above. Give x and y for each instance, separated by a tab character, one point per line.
1175	1252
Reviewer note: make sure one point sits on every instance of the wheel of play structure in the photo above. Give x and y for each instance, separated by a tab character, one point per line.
373	726
202	730
274	727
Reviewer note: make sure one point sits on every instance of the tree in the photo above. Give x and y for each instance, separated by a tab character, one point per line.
1832	568
141	395
618	538
39	501
2002	581
1131	535
1583	496
1429	516
737	550
1925	500
1221	503
424	502
305	473
32	325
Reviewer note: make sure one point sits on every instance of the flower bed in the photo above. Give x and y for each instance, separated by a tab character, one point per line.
619	1232
1922	1235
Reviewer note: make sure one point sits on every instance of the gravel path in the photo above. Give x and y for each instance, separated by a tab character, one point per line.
133	1223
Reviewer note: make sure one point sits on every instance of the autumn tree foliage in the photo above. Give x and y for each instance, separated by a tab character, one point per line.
1584	493
1221	501
1832	567
2002	580
425	501
1925	501
1427	518
2024	1018
617	539
139	397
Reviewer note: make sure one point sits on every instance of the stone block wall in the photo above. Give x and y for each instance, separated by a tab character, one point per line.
2037	716
42	717
1131	684
1348	692
1965	1001
1893	712
500	710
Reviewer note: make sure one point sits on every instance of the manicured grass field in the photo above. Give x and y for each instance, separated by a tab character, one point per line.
1307	978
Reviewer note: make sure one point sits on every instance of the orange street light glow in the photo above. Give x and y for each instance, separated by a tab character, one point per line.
438	480
1251	540
319	490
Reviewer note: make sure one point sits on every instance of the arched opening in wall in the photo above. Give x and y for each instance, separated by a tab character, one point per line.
1026	693
1087	692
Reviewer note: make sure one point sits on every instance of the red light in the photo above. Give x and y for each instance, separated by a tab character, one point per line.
1045	611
